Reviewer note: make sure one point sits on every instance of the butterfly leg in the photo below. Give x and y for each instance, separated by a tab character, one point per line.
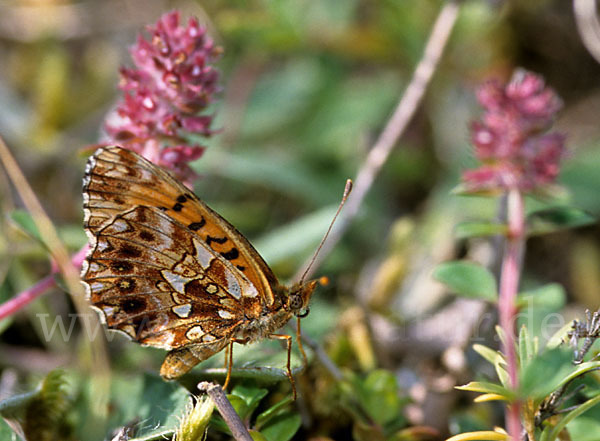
229	358
226	358
228	362
288	341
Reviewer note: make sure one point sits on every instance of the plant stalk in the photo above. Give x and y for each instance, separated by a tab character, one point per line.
509	285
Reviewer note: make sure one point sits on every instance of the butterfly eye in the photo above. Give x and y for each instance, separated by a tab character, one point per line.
295	302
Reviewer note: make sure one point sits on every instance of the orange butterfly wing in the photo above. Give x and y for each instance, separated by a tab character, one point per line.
170	272
117	179
163	267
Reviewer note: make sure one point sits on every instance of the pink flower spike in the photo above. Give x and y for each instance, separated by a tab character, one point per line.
165	94
508	139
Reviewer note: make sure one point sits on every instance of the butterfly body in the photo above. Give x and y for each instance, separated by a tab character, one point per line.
170	272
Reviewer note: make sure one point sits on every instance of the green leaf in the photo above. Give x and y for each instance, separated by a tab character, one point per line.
525	347
554	219
6	433
584	428
465	230
559	336
545	373
257	436
379	397
500	367
485	387
467	279
25	222
496	358
282	428
487	353
551	296
252	395
273	411
501	334
579	370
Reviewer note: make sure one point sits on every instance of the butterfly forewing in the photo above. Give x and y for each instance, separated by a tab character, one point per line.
163	267
117	180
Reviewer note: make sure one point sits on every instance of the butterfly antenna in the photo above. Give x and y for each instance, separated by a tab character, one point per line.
347	191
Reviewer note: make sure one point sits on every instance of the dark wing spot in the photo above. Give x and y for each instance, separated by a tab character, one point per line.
162	208
195	226
231	254
126	286
121	267
241	267
220	240
178	206
130	251
194	289
147	236
132	306
182	198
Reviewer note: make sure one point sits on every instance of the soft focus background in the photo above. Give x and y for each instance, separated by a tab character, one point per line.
306	87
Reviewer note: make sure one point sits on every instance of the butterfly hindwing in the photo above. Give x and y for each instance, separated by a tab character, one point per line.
161	285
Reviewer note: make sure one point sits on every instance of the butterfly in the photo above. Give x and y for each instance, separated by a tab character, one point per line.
169	272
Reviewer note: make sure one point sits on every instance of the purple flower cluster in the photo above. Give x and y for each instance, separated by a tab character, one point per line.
509	139
172	82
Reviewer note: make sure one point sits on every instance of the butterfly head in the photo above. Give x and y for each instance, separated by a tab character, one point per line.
300	294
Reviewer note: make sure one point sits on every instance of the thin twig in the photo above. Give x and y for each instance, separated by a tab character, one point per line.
382	148
97	347
588	25
231	418
396	125
44	225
